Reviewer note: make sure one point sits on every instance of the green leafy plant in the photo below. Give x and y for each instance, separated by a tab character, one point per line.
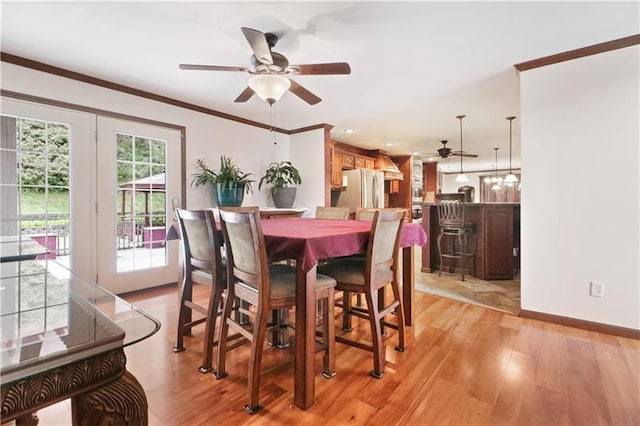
280	175
227	176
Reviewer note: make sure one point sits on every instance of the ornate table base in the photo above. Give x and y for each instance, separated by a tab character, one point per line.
103	392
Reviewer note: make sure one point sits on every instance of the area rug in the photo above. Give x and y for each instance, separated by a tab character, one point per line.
501	295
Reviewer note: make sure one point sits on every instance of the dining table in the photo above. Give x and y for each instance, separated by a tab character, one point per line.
308	241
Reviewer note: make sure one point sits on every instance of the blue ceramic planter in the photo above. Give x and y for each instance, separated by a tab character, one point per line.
229	196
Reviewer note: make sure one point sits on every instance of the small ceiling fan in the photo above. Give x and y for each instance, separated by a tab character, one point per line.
445	152
275	66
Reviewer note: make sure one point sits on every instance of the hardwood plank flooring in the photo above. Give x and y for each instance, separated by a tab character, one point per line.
464	365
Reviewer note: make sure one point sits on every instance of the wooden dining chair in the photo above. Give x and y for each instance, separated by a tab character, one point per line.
332	212
370	277
202	264
253	281
363	213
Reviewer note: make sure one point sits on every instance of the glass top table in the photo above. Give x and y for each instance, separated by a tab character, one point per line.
51	318
55	323
16	248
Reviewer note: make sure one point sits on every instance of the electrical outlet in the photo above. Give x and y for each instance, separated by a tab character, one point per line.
596	289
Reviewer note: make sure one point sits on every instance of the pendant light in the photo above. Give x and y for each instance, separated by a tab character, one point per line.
496	180
461	177
511	178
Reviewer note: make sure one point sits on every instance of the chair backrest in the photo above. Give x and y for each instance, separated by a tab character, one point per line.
451	209
332	212
246	250
201	241
365	213
384	243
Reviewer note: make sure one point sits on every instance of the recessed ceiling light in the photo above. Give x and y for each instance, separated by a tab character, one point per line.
349	130
414	153
389	144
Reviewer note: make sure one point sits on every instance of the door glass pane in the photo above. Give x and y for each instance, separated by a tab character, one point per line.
34	206
140	202
35	183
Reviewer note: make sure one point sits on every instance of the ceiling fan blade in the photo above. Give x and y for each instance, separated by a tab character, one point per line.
303	93
245	95
210	67
258	42
459	154
318	69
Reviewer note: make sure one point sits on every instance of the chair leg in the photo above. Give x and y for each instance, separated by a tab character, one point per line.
381	305
376	335
346	311
472	251
440	253
223	333
184	314
257	343
209	333
461	250
399	317
329	335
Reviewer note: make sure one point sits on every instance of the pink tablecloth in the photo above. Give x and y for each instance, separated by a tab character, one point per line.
310	240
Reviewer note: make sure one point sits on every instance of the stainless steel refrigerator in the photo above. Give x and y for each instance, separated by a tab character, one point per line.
363	188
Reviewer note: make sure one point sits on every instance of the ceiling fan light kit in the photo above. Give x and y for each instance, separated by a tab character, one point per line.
510	179
269	67
269	87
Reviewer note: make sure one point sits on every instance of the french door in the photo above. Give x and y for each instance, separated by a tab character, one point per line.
46	184
138	187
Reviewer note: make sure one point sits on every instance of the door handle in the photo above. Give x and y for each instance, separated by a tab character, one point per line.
375	191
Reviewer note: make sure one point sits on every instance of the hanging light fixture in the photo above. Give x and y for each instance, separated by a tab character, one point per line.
269	87
461	177
511	178
496	181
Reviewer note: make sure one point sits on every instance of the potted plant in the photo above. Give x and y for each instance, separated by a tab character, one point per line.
280	176
229	182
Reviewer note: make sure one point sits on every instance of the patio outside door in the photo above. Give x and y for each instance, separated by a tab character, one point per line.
138	186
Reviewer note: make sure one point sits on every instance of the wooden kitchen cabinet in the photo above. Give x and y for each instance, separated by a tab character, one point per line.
348	161
336	170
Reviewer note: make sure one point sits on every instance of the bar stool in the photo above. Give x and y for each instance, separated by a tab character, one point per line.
455	231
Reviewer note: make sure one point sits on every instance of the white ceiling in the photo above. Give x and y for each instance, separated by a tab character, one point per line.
415	65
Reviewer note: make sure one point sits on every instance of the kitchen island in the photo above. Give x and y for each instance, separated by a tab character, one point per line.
497	234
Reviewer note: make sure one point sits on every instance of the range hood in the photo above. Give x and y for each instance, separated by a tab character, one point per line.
385	164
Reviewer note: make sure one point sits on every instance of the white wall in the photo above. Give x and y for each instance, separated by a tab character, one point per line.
580	198
207	136
307	154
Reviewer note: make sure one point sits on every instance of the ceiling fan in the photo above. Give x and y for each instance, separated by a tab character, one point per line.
275	66
445	152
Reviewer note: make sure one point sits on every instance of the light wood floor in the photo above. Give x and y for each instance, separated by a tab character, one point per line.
465	365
